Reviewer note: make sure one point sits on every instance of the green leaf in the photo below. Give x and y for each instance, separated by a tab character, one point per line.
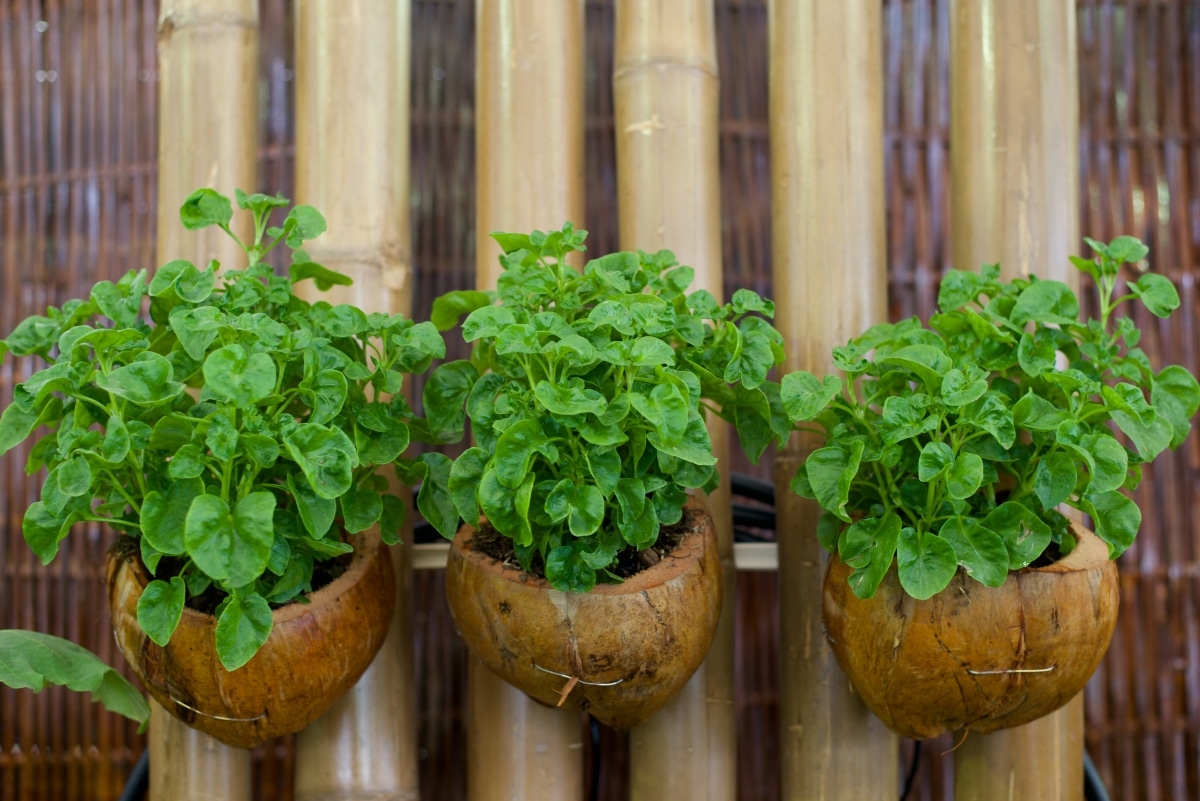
116	440
444	396
695	447
326	455
1110	462
196	328
665	409
34	334
323	277
44	530
166	276
1036	351
649	351
160	608
614	315
187	462
1175	394
1035	413
569	398
992	416
587	510
486	322
498	503
1157	293
261	449
871	543
196	286
391	521
232	548
926	362
303	223
28	660
1117	520
239	376
925	563
465	475
980	551
15	425
222	438
243	627
936	459
361	509
515	450
205	207
958	288
1024	534
434	499
1129	398
965	476
75	476
901	420
164	515
805	396
567	571
830	472
145	381
960	388
1054	480
448	308
1045	302
1149	440
605	467
316	513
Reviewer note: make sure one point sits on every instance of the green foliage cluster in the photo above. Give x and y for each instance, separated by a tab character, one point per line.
239	431
587	394
952	445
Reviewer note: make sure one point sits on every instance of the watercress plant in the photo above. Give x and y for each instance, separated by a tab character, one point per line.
587	394
238	430
954	444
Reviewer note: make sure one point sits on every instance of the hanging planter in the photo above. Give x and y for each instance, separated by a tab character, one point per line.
620	651
958	595
588	393
975	657
234	432
315	652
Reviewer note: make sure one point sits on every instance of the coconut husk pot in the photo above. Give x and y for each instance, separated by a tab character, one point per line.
314	654
975	657
620	651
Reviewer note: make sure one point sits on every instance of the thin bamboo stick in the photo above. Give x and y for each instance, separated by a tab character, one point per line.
1014	179
352	113
529	143
829	256
207	134
665	88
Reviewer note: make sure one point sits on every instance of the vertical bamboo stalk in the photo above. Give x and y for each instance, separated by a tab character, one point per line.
829	256
352	112
665	86
207	135
1014	178
529	143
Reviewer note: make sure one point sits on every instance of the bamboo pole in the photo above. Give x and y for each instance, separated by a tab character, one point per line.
1014	179
352	111
529	144
829	256
665	87
207	135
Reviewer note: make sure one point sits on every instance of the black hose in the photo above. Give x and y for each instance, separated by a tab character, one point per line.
139	780
594	727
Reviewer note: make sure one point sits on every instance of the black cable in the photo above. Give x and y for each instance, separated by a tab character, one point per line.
912	770
594	726
753	488
1093	785
139	780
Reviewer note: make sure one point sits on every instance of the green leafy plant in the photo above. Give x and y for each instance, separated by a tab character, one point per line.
953	444
587	394
237	433
29	660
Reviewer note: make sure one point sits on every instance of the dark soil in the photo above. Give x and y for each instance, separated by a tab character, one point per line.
630	561
206	603
1049	556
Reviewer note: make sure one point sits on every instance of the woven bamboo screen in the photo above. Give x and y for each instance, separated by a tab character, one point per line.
77	184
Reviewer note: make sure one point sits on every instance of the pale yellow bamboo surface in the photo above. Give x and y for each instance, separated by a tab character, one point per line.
665	86
208	136
352	111
830	269
207	118
529	174
1014	183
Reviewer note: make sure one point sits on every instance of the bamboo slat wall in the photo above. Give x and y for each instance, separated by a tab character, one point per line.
77	197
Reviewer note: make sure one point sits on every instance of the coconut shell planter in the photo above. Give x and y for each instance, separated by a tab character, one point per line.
620	651
975	657
315	653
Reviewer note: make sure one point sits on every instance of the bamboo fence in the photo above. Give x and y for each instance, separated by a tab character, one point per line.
78	172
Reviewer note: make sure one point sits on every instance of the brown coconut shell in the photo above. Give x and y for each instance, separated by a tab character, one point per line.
314	654
643	638
975	657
